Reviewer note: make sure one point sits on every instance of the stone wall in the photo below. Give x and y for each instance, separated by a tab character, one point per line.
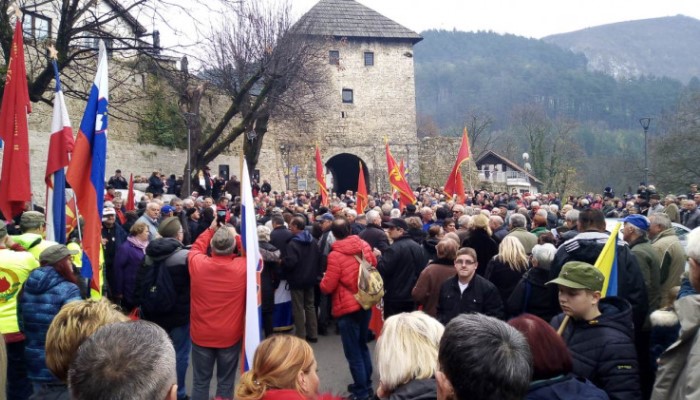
437	157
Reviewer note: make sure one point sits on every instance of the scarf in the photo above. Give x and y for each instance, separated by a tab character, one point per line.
138	243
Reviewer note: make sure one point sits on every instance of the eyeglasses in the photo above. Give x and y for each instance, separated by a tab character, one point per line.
465	262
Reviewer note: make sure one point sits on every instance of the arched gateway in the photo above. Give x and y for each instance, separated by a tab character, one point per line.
345	169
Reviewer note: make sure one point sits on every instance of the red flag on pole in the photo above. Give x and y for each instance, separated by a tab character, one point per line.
361	192
130	206
398	180
459	187
15	186
321	179
451	186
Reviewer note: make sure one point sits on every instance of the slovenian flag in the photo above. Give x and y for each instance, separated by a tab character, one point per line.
254	263
60	147
607	263
86	171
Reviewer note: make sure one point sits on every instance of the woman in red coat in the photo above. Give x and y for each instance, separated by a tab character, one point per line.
340	280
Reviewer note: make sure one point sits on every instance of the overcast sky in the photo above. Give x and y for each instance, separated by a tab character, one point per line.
530	18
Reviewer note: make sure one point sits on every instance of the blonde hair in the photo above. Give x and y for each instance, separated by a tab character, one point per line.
512	253
276	365
407	349
480	221
72	325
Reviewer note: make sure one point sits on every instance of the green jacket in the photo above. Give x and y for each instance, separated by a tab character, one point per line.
672	258
528	239
650	264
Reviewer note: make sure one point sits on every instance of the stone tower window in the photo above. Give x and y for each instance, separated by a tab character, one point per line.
347	96
369	58
334	57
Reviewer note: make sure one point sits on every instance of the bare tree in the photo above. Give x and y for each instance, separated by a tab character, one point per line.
554	152
266	70
479	128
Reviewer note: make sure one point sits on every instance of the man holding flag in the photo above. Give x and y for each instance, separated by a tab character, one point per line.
60	147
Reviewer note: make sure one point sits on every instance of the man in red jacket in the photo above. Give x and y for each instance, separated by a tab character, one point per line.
340	281
218	288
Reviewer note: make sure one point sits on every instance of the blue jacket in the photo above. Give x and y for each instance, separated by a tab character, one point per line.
127	262
43	295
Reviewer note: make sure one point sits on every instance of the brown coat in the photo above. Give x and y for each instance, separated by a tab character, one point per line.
427	289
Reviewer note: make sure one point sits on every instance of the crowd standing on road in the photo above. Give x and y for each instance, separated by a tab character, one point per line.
484	283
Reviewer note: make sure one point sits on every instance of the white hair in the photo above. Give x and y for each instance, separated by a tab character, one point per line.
693	246
544	254
395	213
464	221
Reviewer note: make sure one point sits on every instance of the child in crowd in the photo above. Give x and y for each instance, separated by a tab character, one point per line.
600	333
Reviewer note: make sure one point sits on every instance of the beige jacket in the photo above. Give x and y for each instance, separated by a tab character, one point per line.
672	258
678	377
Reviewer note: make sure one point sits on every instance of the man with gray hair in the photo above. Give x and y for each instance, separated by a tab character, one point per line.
501	352
373	234
671	209
678	376
498	228
217	310
125	360
665	242
571	224
517	229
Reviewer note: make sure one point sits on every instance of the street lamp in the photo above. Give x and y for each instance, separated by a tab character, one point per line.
645	125
285	150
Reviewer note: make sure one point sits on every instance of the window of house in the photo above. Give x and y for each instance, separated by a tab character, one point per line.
369	58
347	96
36	26
334	57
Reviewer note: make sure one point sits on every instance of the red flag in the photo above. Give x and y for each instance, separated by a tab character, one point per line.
398	180
130	206
451	186
459	187
321	179
15	186
361	192
71	216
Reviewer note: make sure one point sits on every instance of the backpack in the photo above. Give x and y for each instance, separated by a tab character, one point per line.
370	286
158	292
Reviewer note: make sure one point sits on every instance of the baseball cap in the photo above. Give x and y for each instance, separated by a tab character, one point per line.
31	218
108	211
637	220
55	253
326	217
169	227
167	209
396	223
580	275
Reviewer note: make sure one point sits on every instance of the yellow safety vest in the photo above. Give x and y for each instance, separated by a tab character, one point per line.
15	267
78	262
33	243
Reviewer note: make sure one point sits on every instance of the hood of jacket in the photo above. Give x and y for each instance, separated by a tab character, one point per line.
615	313
586	246
419	389
351	245
667	233
303	237
42	279
162	248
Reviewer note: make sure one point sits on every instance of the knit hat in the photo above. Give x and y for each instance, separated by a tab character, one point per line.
223	241
53	254
580	275
170	227
638	220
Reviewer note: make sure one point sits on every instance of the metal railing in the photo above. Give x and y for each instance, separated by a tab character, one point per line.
507	177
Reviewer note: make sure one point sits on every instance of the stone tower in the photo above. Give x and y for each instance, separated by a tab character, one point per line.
371	97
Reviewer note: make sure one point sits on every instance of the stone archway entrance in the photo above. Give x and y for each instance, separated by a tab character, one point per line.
345	168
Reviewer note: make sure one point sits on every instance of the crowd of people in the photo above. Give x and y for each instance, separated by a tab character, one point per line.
495	296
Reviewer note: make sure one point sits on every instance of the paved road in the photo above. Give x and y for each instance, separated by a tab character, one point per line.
332	368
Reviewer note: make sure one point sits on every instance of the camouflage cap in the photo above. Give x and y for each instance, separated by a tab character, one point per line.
580	275
53	254
31	220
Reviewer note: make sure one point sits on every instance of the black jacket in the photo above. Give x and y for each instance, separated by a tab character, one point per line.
603	349
503	277
400	265
586	247
532	296
279	237
485	248
479	297
301	264
374	236
175	256
417	389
